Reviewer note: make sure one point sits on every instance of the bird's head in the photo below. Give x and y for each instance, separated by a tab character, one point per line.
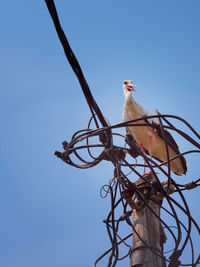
128	86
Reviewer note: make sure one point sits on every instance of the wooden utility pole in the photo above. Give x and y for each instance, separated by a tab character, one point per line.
147	228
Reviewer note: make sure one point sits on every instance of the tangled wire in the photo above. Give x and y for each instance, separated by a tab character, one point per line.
128	189
121	188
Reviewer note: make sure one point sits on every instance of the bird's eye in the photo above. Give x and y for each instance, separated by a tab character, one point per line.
125	82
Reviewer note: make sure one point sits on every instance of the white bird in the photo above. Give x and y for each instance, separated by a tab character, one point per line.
149	138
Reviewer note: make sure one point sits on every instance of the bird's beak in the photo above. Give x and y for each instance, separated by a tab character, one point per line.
131	87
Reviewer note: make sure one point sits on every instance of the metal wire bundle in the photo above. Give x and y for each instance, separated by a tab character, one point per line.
121	183
124	157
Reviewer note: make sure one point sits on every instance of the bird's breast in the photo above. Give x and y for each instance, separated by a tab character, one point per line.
134	111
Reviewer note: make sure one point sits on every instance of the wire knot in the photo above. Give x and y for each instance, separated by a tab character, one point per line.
113	154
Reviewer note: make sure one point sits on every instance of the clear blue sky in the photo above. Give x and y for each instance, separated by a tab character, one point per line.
51	213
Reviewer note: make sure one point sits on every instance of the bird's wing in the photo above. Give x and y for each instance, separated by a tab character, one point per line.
156	125
168	137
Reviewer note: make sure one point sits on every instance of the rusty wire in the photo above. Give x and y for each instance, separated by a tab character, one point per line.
124	157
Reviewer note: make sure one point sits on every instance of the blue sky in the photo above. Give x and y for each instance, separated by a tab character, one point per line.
51	213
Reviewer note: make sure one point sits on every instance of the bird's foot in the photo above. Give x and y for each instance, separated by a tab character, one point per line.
146	173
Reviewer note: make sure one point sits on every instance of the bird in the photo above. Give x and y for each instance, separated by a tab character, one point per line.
150	138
